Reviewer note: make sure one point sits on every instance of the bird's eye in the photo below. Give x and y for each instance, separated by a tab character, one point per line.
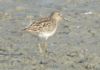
58	14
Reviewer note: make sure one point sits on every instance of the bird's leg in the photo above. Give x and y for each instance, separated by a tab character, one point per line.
45	51
45	47
40	45
40	48
42	54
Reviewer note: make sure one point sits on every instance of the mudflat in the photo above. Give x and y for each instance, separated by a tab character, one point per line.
75	45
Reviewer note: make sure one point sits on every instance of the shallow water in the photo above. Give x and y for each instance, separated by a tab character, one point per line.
70	47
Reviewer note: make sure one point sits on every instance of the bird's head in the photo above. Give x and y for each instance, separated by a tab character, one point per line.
57	16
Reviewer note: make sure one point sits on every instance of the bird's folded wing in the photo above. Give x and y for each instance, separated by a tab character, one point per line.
39	25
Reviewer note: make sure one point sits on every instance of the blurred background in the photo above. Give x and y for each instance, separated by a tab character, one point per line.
75	46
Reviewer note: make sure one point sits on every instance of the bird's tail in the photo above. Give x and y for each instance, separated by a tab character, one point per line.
25	29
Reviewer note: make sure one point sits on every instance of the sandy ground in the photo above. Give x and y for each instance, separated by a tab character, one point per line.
75	46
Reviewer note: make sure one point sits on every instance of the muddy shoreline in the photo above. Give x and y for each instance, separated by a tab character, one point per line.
75	46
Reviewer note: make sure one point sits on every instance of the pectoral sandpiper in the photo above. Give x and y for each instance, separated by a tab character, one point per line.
45	27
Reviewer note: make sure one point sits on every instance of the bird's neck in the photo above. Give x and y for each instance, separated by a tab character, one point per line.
55	20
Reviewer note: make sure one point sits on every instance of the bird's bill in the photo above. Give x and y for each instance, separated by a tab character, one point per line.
65	19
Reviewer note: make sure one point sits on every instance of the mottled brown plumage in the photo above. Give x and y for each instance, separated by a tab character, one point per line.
45	27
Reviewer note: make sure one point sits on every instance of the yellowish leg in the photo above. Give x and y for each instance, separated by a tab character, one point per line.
43	52
45	47
40	48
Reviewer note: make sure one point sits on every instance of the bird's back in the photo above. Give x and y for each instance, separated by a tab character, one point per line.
42	25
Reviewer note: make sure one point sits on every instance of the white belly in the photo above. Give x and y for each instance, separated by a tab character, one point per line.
47	34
